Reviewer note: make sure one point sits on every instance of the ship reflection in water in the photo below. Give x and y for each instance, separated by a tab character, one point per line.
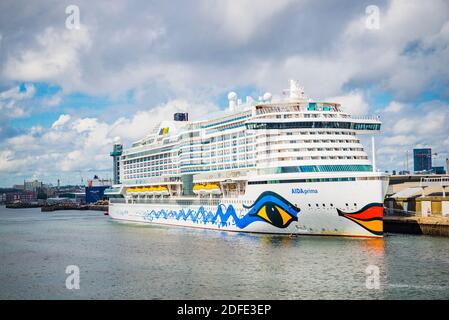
125	260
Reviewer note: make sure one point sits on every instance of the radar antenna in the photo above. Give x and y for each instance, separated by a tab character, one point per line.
296	92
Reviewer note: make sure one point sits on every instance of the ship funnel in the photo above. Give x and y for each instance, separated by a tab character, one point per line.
181	116
296	91
232	98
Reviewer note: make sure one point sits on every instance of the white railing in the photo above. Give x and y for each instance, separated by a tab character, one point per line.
183	201
434	181
377	118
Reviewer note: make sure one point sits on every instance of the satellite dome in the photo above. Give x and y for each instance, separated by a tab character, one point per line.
232	95
267	96
117	140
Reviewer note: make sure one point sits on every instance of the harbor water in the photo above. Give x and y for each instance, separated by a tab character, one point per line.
119	260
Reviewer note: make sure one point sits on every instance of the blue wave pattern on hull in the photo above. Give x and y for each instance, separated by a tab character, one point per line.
269	207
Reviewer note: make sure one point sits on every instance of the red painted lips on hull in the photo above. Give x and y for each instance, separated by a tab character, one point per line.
369	217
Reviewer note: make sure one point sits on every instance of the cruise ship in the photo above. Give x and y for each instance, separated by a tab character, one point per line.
290	166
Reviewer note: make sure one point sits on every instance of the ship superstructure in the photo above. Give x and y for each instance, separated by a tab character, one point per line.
292	166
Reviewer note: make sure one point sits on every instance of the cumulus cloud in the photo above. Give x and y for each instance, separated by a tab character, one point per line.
354	103
52	100
170	56
229	43
73	144
394	106
11	99
413	127
249	15
63	119
56	55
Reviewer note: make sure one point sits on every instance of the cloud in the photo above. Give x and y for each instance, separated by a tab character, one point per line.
72	145
170	57
229	43
353	103
56	55
399	140
240	20
405	125
63	119
413	126
11	101
52	100
394	107
16	93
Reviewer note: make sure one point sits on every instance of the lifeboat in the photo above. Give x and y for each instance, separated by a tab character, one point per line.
132	190
151	190
160	190
209	188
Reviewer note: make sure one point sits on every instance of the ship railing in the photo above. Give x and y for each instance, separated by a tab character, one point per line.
365	117
180	201
432	181
117	200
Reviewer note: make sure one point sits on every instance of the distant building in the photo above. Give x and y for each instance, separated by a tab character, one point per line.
439	170
32	185
422	159
20	196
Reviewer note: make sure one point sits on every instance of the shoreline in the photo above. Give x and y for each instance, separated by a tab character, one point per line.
432	226
56	207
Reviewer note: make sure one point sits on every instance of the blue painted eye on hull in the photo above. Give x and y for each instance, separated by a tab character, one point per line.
274	209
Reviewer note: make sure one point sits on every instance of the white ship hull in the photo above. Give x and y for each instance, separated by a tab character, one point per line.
348	208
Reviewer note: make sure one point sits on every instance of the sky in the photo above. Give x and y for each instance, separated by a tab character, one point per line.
67	89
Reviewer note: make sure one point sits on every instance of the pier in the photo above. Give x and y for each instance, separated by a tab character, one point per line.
56	207
45	207
22	205
433	226
417	204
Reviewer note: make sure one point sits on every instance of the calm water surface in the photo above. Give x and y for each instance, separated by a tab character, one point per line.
131	261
